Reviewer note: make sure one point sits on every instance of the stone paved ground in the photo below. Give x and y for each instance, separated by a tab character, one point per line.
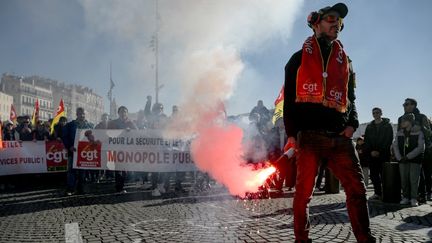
42	215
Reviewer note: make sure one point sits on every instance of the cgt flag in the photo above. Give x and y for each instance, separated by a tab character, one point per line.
279	103
59	113
13	115
35	116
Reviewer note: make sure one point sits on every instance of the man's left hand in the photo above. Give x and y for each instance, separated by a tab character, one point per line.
348	132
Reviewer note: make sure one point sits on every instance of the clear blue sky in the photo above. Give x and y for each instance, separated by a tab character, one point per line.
74	41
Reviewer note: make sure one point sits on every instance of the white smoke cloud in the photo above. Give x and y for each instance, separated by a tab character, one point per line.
185	27
201	43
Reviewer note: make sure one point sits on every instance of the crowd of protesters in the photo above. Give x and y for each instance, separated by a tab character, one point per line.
153	117
411	147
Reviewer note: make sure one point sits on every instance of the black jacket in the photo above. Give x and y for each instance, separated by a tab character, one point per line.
422	121
364	154
409	145
313	116
379	137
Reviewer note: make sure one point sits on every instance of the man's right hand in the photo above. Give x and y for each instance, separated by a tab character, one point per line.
290	143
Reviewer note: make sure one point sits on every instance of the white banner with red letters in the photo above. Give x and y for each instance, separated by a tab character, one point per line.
131	150
32	157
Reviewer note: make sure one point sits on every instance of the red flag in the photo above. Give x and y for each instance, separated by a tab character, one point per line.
13	115
59	113
35	117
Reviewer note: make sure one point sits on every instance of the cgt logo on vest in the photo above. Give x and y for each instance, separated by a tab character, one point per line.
56	156
89	154
337	95
310	87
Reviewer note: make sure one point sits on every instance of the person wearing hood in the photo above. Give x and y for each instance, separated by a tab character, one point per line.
425	185
408	149
378	139
9	132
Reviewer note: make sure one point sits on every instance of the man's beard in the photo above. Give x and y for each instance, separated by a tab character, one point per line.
328	38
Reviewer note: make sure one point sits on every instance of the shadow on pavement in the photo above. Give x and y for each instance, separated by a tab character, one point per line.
318	213
29	199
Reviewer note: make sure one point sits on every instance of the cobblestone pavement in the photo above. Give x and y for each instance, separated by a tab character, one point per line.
46	215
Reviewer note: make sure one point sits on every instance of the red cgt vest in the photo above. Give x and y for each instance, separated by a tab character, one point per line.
318	84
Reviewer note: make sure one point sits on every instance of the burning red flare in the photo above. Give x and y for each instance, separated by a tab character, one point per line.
261	177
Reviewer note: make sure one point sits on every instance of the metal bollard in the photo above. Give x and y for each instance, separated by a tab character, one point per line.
391	183
332	185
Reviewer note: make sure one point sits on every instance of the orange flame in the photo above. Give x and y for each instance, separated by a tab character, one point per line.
261	177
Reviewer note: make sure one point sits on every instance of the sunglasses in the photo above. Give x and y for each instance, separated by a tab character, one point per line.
407	104
331	18
376	112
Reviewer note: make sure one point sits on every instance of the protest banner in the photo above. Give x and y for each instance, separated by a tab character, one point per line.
131	150
32	157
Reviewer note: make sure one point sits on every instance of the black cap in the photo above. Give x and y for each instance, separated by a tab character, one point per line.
341	8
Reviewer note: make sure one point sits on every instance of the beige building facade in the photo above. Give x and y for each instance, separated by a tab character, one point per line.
6	102
25	91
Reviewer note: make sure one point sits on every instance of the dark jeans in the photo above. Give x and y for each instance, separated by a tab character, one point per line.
343	162
376	172
75	178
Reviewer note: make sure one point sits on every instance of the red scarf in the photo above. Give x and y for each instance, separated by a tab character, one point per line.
316	84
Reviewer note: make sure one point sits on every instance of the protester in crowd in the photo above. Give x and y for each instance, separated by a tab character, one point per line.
262	111
378	139
260	115
24	129
9	133
148	107
364	156
75	177
158	120
179	176
410	106
408	149
319	110
122	122
47	125
58	128
40	133
256	147
103	124
141	121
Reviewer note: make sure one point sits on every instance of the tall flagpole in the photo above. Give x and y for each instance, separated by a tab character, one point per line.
157	53
110	98
155	45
